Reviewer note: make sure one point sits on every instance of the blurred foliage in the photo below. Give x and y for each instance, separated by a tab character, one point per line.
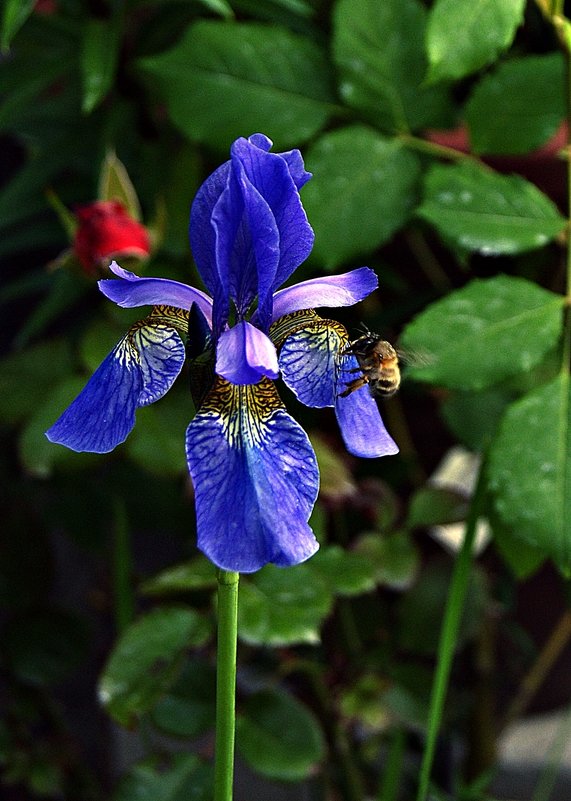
395	105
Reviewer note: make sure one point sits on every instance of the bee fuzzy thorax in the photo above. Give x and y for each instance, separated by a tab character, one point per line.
378	364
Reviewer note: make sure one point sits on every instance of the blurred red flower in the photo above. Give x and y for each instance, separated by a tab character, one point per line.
105	231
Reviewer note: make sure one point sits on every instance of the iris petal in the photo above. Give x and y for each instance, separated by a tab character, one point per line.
255	477
361	425
138	371
308	361
103	414
245	355
161	356
132	291
202	233
330	291
270	174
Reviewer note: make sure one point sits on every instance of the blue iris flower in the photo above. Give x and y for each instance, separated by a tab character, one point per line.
253	468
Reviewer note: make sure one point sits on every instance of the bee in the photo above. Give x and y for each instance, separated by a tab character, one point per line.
378	365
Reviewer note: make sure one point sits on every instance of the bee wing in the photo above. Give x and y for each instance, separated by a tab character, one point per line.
415	358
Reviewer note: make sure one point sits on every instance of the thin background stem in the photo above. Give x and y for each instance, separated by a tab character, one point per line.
448	636
226	684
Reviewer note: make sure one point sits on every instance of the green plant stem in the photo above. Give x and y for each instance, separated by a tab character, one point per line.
436	150
391	781
566	356
124	601
226	684
448	636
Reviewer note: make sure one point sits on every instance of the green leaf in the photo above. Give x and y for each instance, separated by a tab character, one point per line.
224	80
492	214
394	558
184	778
43	648
474	417
363	190
14	14
283	607
98	60
279	737
378	48
189	708
422	607
198	574
27	376
485	332
521	557
146	659
518	107
530	469
157	441
431	506
465	35
345	572
220	7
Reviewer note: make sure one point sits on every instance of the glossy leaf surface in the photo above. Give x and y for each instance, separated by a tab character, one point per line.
225	80
378	48
283	607
485	332
531	475
465	35
145	660
518	107
492	214
279	737
364	189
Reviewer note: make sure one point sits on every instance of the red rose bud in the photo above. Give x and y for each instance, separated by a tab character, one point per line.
106	231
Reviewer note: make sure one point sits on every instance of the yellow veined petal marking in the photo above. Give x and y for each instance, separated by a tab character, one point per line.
242	409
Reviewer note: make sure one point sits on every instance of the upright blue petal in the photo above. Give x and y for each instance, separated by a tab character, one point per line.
202	234
293	159
247	240
270	175
255	477
138	371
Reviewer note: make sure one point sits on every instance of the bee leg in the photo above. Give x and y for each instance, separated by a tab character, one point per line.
357	383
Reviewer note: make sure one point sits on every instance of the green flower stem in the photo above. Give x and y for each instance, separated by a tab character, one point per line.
226	684
448	636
